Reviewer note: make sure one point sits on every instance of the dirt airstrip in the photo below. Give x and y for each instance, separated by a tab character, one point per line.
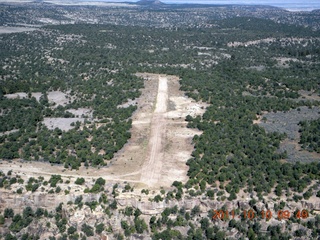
160	145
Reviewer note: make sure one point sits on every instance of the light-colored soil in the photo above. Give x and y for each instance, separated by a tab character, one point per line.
9	132
130	102
37	95
309	95
4	29
57	98
248	43
16	95
86	112
160	143
285	62
62	123
283	41
288	122
151	170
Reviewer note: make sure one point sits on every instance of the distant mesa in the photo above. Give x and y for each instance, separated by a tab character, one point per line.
150	2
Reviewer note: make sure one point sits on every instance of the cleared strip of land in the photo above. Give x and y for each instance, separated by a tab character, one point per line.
151	170
160	143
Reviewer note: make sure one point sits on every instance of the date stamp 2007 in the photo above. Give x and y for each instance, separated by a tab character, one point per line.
264	214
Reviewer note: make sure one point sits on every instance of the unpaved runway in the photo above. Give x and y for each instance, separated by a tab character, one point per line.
151	170
159	147
162	98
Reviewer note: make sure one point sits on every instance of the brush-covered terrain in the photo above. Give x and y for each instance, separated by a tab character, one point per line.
68	98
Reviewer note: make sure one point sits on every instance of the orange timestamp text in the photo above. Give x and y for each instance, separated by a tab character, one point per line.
264	214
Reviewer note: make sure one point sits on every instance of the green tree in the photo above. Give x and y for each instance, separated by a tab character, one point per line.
99	228
88	230
79	181
8	213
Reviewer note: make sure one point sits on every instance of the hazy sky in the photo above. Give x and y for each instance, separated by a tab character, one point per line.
291	2
245	1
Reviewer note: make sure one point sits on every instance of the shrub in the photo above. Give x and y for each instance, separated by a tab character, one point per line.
79	181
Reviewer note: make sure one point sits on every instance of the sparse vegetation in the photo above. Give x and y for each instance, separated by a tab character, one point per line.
259	75
310	132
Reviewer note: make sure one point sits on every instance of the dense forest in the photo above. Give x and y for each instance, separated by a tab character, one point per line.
243	67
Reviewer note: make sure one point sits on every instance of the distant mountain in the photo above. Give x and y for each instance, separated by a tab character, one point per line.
150	2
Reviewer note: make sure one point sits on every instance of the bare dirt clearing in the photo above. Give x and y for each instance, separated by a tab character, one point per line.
283	41
288	122
62	123
4	29
58	98
86	112
55	98
309	95
152	167
37	95
16	95
160	142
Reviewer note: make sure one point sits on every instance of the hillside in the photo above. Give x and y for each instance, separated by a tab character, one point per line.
150	2
119	125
